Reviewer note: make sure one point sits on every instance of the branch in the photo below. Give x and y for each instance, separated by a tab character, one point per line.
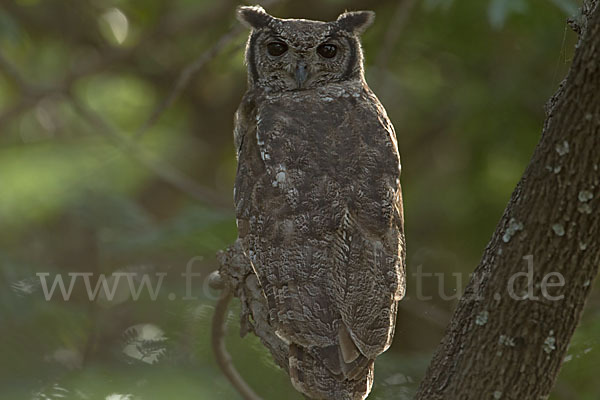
162	169
32	94
235	275
392	34
192	69
11	72
219	324
511	346
168	26
165	171
186	76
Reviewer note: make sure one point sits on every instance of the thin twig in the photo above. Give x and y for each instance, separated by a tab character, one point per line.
11	72
186	76
162	169
31	94
191	70
219	324
392	34
393	31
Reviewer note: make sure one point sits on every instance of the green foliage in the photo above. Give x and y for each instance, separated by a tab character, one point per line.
464	84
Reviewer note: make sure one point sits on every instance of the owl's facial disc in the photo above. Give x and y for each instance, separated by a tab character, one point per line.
298	54
297	62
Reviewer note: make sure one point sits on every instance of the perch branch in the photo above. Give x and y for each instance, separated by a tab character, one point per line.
219	324
236	276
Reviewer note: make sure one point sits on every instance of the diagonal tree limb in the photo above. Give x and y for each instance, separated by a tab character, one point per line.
32	94
162	169
191	70
11	72
170	25
186	76
504	345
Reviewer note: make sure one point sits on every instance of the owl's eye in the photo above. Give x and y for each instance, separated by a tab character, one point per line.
327	50
277	48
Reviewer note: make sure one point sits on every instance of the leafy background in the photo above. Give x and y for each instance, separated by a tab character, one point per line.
88	183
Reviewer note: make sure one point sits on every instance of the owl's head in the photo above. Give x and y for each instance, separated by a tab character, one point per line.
292	54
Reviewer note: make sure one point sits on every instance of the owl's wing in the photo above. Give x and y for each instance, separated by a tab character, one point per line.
319	212
368	244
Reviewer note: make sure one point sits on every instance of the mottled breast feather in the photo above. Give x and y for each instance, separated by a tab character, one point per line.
319	213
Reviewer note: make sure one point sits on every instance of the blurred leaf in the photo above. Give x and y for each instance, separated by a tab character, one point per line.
114	26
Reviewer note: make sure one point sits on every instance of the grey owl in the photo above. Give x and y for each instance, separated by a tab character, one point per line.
318	199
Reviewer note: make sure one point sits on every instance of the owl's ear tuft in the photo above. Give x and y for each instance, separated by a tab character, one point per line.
356	21
254	17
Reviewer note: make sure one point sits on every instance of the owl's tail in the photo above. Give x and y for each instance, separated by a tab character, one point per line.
322	373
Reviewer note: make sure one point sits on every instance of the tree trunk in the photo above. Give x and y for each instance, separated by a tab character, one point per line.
500	347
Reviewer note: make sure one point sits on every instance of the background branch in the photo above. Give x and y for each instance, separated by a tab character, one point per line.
186	76
188	73
32	94
160	168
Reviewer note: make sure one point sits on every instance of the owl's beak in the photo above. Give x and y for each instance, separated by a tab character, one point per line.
301	73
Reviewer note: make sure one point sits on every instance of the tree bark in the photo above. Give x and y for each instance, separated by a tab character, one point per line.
498	347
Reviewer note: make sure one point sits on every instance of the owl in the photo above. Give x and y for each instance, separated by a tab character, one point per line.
318	200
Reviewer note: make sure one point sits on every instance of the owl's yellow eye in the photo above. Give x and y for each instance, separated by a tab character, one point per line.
327	50
277	48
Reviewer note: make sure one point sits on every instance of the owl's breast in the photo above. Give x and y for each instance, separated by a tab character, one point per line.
322	137
314	155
